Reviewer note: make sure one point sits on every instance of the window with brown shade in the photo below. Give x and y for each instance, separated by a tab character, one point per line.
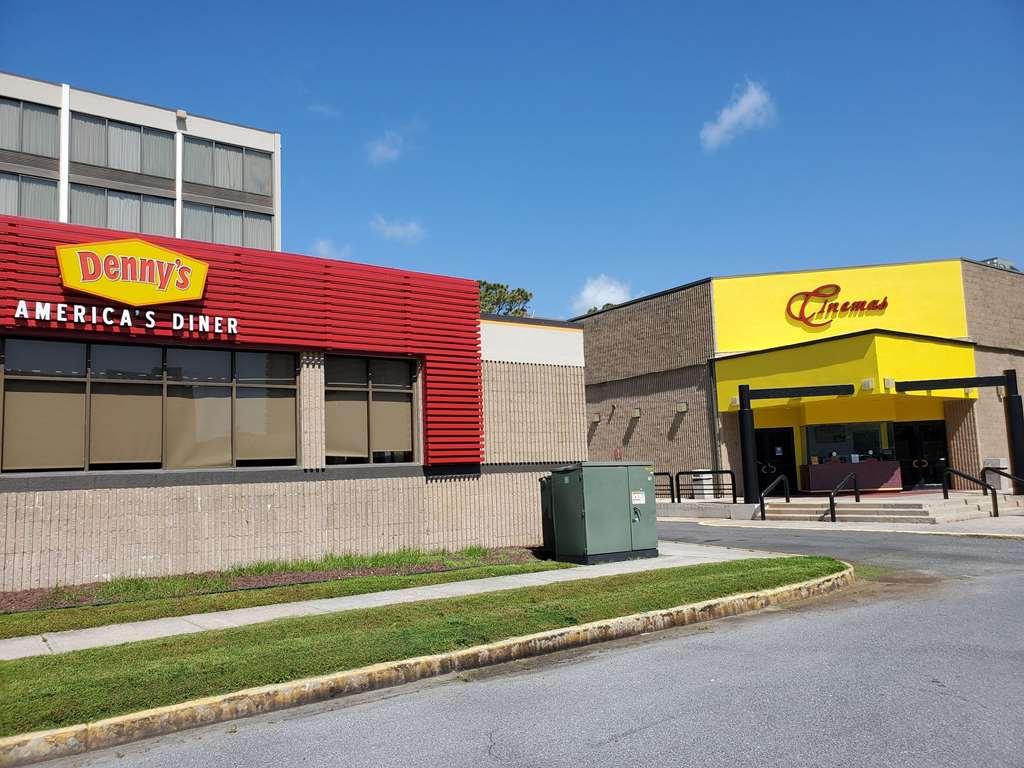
125	406
198	431
44	425
69	406
44	405
369	410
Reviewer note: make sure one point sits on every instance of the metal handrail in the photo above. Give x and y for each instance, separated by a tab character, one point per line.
964	476
715	486
1019	481
837	489
671	485
785	484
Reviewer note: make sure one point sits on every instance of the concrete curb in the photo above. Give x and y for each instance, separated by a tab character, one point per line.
834	527
24	749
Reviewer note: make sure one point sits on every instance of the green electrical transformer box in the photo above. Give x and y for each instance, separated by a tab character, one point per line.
601	511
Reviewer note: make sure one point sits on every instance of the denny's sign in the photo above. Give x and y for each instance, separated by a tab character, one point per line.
131	272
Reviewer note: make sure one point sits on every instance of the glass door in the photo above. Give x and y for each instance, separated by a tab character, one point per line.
920	447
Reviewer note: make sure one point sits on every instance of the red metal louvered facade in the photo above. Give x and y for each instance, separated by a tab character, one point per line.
286	301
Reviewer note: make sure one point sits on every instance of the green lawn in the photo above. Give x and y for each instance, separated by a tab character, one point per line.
50	691
190	600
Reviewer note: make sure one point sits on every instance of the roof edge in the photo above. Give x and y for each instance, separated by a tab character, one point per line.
530	321
967	342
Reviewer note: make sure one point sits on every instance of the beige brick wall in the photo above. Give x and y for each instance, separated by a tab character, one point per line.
77	536
533	413
990	413
663	333
312	423
962	437
995	306
672	441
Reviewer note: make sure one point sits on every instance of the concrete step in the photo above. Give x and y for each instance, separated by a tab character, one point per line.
847	509
848	518
866	502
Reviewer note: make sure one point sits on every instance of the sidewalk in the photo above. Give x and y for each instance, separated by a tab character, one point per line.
1009	526
673	555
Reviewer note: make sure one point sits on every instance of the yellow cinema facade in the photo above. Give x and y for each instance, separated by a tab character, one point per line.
835	361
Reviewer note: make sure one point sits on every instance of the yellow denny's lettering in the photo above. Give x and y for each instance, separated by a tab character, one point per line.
131	272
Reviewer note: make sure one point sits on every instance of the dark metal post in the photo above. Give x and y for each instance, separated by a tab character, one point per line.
748	449
1014	427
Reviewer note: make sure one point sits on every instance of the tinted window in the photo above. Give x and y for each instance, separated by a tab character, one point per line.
45	358
265	367
115	361
198	365
345	370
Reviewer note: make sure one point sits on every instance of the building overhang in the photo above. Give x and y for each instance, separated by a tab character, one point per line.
872	361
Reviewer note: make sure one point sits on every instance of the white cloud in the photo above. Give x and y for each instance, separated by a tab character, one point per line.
598	291
386	148
328	249
749	109
324	110
407	232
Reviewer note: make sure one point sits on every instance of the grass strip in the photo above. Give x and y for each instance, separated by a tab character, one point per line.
61	619
50	691
268	573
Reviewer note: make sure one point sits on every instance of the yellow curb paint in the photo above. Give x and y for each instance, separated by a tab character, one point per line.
24	749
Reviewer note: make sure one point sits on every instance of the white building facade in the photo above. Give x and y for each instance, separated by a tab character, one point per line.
80	157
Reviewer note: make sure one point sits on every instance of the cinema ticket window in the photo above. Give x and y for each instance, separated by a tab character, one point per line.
265	408
44	405
369	410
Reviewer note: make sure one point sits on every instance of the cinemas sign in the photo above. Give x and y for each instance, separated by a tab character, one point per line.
818	308
129	273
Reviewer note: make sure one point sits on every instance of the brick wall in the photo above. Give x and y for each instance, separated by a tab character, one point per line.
670	440
312	420
990	412
533	413
91	534
995	306
962	438
663	333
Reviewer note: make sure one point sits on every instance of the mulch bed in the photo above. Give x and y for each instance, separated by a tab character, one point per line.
85	594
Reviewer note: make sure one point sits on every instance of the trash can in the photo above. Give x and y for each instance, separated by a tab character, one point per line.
603	511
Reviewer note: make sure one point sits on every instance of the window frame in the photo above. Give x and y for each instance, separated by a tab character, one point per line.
246	216
106	202
163	381
21	211
246	151
143	130
21	127
415	367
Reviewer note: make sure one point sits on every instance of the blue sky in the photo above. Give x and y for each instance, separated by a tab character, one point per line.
549	144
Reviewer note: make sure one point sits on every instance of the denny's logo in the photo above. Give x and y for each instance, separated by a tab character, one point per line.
131	272
818	308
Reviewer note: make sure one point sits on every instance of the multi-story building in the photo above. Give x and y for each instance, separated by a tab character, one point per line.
80	157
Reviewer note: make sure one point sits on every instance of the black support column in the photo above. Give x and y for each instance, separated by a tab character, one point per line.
1014	427
748	447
